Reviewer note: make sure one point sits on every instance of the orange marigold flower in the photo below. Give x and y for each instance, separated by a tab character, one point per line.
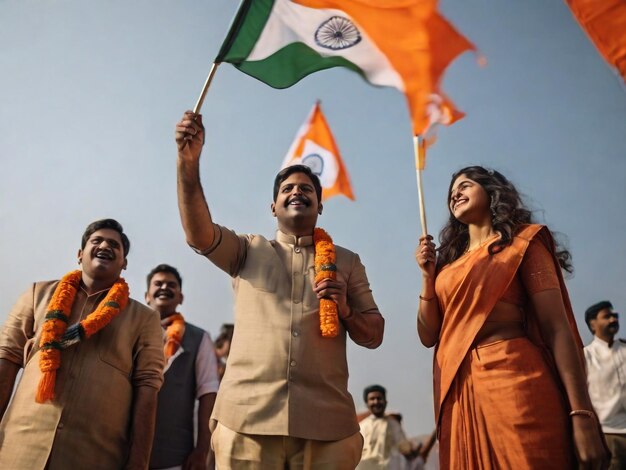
325	269
174	332
57	318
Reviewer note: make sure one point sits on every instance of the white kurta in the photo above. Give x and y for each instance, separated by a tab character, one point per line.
381	437
606	377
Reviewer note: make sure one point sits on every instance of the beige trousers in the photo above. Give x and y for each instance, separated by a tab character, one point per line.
238	451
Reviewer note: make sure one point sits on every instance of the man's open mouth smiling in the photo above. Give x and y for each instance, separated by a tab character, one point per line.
298	201
105	255
164	294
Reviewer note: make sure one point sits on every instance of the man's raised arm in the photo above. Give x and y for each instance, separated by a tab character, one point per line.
194	211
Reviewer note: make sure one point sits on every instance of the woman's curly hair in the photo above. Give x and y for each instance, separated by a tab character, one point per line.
508	213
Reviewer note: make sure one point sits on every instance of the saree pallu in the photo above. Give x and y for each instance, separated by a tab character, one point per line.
495	405
505	411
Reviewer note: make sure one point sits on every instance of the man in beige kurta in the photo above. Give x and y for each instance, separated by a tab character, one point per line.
102	416
283	401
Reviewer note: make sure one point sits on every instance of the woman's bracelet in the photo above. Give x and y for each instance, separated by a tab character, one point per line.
587	413
427	299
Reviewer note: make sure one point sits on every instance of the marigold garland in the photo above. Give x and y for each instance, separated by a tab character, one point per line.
55	326
325	269
174	332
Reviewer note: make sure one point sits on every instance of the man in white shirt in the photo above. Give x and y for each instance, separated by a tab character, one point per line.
606	377
385	445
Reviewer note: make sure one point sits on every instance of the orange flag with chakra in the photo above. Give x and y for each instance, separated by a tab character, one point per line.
315	147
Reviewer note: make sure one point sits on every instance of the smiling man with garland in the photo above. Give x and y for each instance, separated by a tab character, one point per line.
92	360
284	400
190	376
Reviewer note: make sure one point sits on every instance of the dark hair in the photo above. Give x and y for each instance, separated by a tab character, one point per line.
102	224
592	312
374	388
164	268
226	334
508	214
290	170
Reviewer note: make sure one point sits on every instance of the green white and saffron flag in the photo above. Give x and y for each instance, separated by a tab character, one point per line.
404	44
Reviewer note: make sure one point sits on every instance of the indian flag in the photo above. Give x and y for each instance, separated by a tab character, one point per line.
315	147
404	44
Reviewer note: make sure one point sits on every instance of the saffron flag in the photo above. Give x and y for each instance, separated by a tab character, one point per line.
405	44
315	147
604	21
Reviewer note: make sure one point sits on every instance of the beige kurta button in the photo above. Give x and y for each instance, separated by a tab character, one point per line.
292	363
296	333
297	250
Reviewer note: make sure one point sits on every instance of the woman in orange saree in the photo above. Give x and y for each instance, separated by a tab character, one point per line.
510	387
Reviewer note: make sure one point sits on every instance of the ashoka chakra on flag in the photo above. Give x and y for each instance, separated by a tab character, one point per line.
337	33
404	44
315	162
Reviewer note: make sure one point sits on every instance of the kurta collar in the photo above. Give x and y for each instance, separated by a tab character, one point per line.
603	344
95	294
282	237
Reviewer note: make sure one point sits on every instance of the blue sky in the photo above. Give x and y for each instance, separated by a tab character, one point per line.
90	92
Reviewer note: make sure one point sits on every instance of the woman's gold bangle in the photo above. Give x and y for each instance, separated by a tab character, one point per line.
587	413
427	299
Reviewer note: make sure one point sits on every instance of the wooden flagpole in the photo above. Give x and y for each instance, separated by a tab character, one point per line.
242	12
420	158
205	88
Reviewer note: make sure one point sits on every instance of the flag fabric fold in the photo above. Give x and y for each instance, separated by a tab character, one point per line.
315	147
604	21
404	44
